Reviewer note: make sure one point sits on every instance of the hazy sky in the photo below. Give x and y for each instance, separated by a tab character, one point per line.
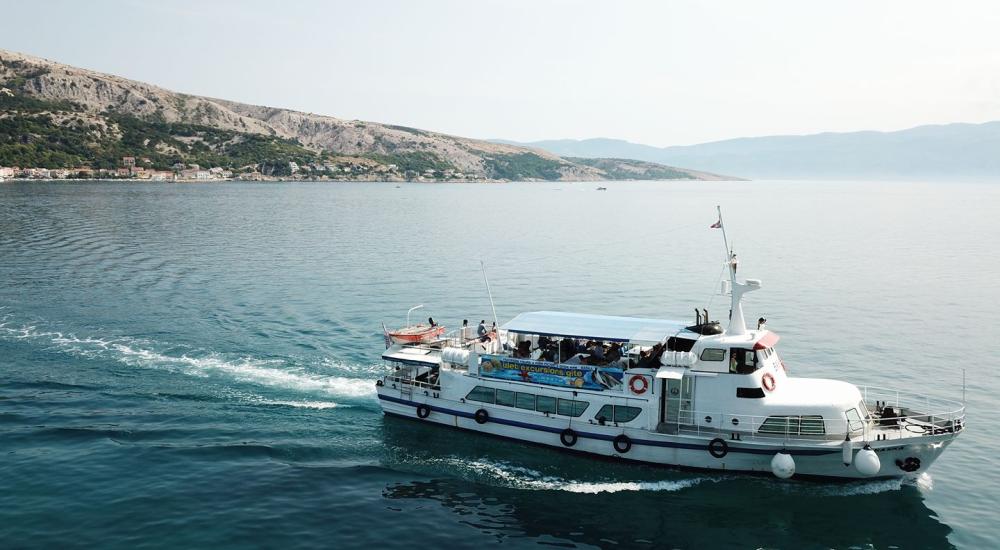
658	72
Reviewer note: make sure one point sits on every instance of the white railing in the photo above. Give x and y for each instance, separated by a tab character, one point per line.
914	416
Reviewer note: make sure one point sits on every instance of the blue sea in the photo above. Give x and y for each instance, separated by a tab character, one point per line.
194	365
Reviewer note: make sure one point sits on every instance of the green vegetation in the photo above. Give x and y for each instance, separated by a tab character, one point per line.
45	134
522	166
414	162
628	169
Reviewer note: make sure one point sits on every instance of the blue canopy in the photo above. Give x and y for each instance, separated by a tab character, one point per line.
593	327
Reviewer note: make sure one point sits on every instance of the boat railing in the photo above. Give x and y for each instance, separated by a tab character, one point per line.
912	416
901	414
405	382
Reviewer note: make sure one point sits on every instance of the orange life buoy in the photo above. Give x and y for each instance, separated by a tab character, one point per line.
639	381
768	382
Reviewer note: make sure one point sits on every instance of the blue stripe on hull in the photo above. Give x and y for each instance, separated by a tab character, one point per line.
602	437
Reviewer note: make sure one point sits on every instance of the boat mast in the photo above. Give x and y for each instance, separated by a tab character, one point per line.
490	293
737	324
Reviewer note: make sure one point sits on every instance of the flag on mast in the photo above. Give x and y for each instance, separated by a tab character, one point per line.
385	334
716	225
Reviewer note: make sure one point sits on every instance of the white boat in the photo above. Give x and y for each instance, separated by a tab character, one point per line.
665	392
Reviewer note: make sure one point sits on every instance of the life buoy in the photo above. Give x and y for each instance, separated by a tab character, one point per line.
768	382
622	443
423	411
638	384
482	417
718	448
568	437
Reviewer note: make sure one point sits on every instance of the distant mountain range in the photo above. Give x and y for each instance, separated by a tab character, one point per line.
935	152
57	116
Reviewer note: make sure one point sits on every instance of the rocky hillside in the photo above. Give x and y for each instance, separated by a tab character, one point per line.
64	115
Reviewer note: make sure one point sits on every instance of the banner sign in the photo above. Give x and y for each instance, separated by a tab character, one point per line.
551	374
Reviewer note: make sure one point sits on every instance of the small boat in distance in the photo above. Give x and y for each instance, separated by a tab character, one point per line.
602	188
664	392
414	334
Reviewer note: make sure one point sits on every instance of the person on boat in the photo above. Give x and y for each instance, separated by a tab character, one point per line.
431	321
465	329
614	353
523	350
597	353
567	348
481	331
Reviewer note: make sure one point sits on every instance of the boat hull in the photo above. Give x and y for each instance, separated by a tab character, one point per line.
823	460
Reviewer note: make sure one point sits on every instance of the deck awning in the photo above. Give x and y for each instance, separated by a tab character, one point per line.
412	356
593	327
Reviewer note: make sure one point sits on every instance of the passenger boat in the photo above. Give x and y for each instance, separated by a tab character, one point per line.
693	395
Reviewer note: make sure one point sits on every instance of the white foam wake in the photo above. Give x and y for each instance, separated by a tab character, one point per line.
526	478
274	373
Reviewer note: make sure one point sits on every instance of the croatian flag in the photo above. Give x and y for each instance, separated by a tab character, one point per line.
385	334
717	225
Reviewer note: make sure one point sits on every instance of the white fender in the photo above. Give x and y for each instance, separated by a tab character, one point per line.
783	465
848	452
867	462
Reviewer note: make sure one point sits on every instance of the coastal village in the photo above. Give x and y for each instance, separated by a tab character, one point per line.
139	169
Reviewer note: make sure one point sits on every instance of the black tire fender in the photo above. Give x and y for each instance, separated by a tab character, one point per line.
622	443
718	448
482	416
568	437
423	411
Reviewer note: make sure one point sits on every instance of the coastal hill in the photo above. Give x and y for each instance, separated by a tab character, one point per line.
933	152
57	116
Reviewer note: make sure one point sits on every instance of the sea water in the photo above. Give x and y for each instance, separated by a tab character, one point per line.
194	365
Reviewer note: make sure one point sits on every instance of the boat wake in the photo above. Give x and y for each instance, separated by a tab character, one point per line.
517	477
280	374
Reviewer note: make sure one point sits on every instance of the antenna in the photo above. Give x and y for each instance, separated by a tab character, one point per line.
722	226
490	293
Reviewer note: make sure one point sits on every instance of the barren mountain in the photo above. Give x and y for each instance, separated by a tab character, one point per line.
71	97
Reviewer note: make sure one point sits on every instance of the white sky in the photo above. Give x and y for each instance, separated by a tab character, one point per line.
658	72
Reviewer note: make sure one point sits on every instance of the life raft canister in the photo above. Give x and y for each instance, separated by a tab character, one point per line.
768	382
638	384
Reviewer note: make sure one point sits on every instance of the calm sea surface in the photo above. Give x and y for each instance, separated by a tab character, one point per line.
194	365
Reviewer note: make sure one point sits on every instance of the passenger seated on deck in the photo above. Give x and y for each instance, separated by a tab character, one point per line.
481	331
597	352
523	350
567	348
614	353
652	360
430	320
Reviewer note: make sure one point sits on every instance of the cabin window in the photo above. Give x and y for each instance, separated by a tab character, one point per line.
793	425
617	413
854	422
505	398
679	344
545	404
525	401
571	407
742	361
626	414
812	425
750	393
713	354
482	394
